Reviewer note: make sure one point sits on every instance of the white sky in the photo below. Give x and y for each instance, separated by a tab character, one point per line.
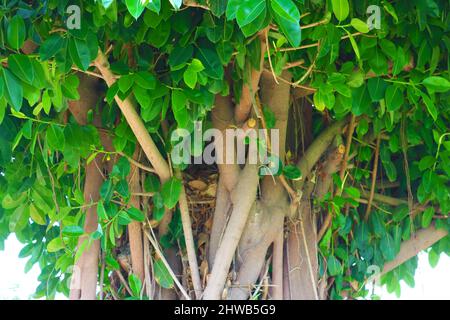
15	284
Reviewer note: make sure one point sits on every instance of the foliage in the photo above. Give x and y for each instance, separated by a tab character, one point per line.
172	59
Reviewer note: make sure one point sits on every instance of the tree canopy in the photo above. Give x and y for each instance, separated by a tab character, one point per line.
91	92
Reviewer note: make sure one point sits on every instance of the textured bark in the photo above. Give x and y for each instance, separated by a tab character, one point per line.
301	255
265	222
86	268
85	272
244	107
222	118
153	155
422	240
243	198
134	228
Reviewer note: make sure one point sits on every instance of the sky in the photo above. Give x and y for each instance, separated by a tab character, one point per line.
431	284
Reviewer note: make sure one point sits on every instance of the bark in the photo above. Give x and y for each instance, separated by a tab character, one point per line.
134	228
422	240
243	198
222	118
86	268
301	253
265	222
154	156
249	90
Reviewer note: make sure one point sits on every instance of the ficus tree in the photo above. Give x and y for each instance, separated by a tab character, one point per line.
93	91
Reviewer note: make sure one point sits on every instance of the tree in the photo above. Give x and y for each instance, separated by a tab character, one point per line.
356	181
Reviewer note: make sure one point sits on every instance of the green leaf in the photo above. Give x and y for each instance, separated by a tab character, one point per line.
72	231
13	89
286	9
180	56
121	169
292	172
135	284
426	162
16	32
154	5
269	116
135	7
124	218
232	8
353	192
55	245
356	79
37	216
51	47
427	217
340	9
55	137
359	25
436	84
80	53
401	213
106	190
249	10
19	218
387	247
21	66
429	105
145	80
126	82
394	98
378	62
179	108
377	88
136	214
211	61
111	262
162	275
151	183
101	212
390	9
170	192
287	16
334	266
433	258
190	78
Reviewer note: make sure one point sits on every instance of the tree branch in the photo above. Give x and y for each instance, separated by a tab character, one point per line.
153	155
422	240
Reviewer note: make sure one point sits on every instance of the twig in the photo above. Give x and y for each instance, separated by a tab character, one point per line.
189	239
102	275
94	74
124	282
138	164
374	178
351	130
166	264
266	34
306	46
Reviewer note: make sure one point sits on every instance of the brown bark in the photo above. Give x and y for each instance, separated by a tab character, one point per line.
134	228
86	268
265	222
422	240
249	90
153	155
243	198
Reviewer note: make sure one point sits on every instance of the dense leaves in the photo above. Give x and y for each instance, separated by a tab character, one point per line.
172	60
